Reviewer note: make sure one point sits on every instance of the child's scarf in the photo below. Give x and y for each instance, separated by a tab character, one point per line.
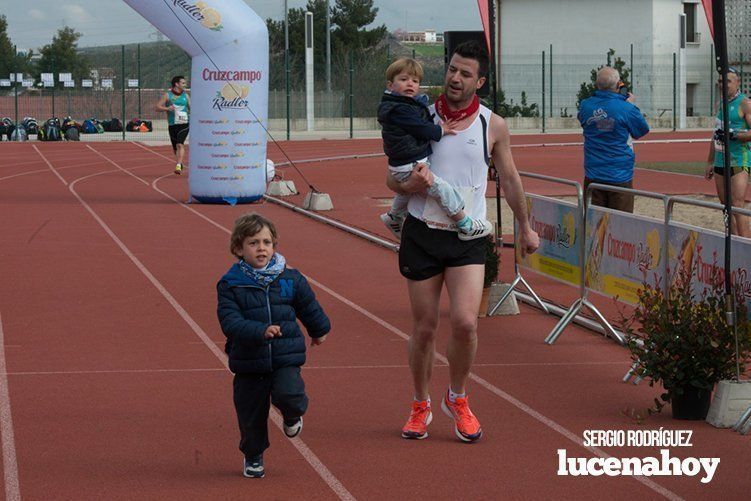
268	274
442	108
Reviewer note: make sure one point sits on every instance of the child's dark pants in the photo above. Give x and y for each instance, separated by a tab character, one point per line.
252	395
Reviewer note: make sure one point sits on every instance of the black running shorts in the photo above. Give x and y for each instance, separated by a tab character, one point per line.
426	252
177	134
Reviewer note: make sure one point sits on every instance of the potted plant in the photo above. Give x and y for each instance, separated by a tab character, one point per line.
492	263
682	340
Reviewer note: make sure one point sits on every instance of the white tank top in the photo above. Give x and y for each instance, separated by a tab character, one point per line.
460	160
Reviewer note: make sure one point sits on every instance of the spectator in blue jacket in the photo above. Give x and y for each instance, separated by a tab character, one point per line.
260	300
408	129
610	120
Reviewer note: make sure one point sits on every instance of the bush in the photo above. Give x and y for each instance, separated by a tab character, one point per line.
684	341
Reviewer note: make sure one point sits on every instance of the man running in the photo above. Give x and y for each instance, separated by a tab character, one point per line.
430	257
176	102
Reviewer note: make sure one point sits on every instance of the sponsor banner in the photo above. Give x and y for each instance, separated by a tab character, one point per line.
69	83
132	82
27	83
106	83
705	249
229	92
65	77
4	82
622	252
47	77
86	82
49	83
555	222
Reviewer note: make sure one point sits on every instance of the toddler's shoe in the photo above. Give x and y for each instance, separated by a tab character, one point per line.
253	467
394	223
480	228
293	427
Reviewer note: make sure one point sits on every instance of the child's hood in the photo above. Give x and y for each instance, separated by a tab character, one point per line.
235	277
422	99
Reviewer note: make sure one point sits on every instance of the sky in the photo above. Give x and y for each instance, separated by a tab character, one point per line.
110	22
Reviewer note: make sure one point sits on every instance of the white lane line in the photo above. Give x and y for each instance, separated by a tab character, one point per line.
484	383
50	165
122	371
306	367
328	477
10	464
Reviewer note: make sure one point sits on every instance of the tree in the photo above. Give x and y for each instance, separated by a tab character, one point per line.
588	89
62	56
350	18
10	61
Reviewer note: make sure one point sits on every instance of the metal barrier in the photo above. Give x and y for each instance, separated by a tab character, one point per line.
583	301
744	424
518	278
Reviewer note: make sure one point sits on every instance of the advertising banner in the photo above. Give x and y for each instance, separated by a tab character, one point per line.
705	249
228	43
622	251
555	222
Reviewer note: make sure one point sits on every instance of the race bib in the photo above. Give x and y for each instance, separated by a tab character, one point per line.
434	215
181	116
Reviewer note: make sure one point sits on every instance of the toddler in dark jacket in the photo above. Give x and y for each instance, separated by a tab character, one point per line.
407	129
260	300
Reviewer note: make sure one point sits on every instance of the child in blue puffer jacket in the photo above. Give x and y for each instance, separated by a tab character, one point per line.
260	300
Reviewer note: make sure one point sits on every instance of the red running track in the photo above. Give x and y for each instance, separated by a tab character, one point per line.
116	386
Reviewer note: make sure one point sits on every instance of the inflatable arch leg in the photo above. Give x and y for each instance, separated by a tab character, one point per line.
229	46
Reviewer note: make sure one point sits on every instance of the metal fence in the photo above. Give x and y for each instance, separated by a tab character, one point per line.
663	85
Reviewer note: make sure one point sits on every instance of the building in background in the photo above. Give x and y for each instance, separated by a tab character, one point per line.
646	34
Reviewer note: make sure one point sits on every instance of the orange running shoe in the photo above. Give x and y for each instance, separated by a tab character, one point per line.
419	419
466	425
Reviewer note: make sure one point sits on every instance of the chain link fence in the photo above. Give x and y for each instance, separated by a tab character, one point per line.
127	81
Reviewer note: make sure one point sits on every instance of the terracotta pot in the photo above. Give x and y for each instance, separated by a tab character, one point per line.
484	303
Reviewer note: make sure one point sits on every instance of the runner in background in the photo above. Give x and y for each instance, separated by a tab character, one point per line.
176	102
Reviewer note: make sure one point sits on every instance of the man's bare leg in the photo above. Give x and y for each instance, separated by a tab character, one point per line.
464	285
739	225
424	297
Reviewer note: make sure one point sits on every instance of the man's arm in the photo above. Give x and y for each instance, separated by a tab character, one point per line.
709	169
511	182
637	125
745	136
420	180
162	104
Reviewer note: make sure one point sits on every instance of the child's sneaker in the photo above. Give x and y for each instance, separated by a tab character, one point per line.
466	425
294	427
419	419
394	223
179	169
253	467
479	228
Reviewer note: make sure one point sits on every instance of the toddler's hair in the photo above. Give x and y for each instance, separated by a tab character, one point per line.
246	226
406	65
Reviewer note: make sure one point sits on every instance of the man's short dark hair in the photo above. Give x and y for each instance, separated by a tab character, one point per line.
473	50
177	79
